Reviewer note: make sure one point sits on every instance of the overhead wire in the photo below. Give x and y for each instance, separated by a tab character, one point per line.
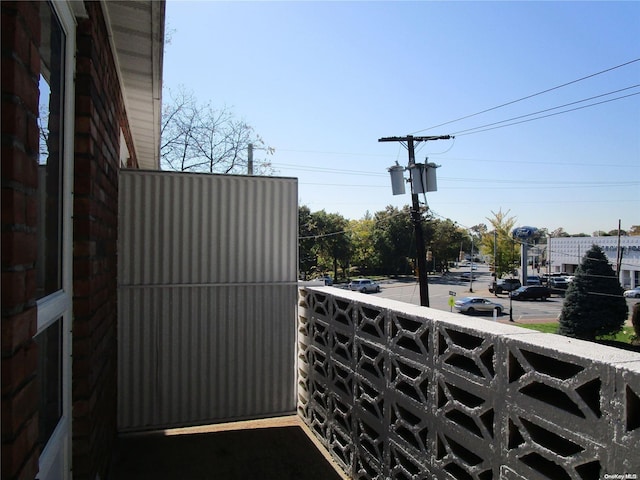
530	96
552	108
347	230
482	129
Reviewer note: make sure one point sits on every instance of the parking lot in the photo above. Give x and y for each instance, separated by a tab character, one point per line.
455	283
441	287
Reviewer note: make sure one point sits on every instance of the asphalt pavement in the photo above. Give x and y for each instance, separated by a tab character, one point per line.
444	286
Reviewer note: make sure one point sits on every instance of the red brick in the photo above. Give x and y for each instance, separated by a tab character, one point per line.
30	16
18	330
84	144
13	205
14	290
14	119
18	81
15	35
19	248
18	408
20	457
19	167
31	210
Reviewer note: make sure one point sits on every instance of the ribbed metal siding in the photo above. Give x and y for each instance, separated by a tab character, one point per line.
207	270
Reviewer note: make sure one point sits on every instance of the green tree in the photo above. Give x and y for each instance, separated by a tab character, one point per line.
333	241
364	255
507	253
635	321
307	244
445	241
394	240
593	304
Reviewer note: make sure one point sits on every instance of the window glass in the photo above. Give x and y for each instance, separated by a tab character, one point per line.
49	343
50	116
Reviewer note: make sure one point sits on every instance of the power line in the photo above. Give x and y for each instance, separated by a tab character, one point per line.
360	172
481	129
552	108
491	183
530	96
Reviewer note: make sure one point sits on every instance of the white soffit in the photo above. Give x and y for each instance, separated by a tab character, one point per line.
137	29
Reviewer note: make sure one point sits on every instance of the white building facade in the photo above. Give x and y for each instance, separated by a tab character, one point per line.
566	253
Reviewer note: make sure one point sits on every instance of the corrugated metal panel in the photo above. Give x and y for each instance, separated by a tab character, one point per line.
204	229
207	298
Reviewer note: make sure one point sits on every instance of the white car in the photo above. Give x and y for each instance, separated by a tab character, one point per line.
472	305
633	293
363	285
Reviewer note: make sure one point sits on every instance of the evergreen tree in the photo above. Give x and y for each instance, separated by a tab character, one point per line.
635	321
594	304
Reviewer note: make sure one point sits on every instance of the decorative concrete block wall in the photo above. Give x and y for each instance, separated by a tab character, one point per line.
405	392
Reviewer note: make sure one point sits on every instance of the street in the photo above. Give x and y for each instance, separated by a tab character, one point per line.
440	287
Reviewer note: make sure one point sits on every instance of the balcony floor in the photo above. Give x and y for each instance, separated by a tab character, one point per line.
280	449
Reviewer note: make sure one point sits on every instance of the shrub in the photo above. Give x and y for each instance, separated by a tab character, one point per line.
635	321
594	304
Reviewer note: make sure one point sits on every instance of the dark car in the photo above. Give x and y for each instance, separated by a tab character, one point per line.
531	292
505	285
558	285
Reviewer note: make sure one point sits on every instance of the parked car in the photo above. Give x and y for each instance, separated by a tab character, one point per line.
558	285
472	305
505	285
326	279
531	292
467	276
632	293
363	285
533	280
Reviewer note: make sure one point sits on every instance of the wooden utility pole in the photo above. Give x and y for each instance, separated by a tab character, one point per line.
416	216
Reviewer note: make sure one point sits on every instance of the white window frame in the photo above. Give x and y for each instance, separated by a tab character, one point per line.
55	459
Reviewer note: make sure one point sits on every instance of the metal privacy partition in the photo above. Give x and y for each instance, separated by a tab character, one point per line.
207	285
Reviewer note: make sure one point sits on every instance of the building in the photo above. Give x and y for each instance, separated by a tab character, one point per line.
565	254
132	299
81	93
214	333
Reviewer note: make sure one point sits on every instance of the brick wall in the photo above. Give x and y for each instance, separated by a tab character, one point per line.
99	116
20	71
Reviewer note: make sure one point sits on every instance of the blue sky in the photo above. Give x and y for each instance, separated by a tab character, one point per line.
321	82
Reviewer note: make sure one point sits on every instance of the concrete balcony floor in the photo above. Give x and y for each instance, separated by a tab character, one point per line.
281	448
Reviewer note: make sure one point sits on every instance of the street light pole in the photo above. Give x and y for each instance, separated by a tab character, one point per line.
416	217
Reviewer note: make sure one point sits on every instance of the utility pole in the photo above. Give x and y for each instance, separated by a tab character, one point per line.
416	217
250	159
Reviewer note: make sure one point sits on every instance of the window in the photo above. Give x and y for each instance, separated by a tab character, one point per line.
50	161
50	378
53	262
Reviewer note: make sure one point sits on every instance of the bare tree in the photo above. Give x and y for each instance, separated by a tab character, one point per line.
201	138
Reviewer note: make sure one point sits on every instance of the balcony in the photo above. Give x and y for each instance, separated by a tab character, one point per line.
391	390
277	448
211	332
